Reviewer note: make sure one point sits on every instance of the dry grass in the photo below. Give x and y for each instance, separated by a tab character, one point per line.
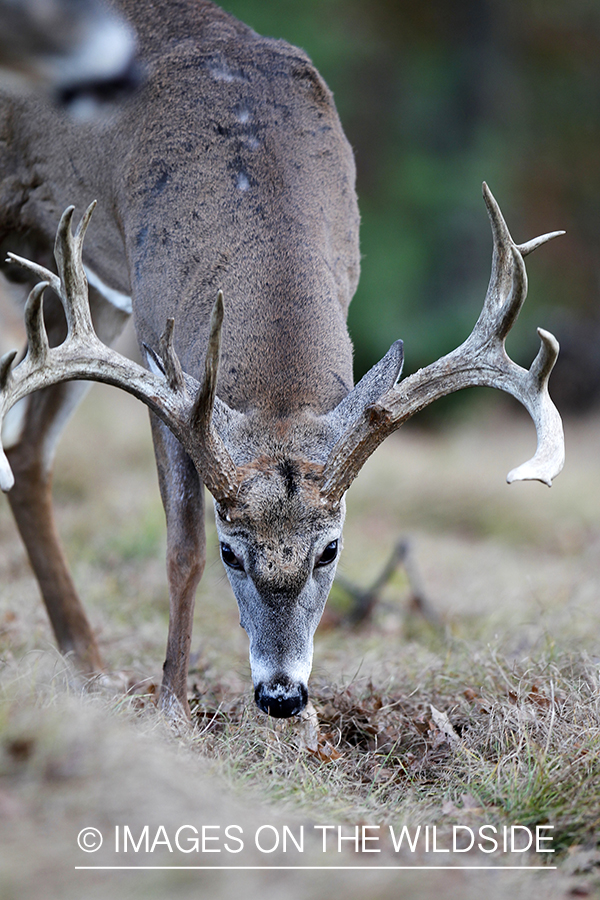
521	745
511	674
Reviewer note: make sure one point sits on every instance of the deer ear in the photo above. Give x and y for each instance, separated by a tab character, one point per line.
381	378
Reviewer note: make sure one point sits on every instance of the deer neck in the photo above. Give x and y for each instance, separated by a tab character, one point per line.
243	182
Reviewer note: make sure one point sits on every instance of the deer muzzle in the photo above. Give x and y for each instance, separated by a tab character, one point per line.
281	697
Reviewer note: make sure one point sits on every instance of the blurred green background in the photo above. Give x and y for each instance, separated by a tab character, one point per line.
437	96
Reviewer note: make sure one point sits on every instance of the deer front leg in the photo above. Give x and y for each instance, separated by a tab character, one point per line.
182	494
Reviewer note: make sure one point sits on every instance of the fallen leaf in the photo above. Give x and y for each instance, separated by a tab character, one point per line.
325	752
443	723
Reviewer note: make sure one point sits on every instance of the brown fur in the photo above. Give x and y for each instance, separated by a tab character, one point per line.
227	170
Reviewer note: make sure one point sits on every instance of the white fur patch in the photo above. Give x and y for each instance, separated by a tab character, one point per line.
119	300
153	366
104	53
220	71
13	423
298	672
7	479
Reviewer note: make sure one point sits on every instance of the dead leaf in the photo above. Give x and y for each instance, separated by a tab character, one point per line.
537	698
445	726
21	748
421	726
325	752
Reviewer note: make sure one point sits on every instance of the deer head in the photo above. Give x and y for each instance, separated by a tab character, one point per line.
279	486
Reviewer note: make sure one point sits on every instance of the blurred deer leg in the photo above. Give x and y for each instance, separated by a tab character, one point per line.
364	600
31	456
31	502
182	494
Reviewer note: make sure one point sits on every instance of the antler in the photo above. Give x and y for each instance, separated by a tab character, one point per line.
480	360
175	397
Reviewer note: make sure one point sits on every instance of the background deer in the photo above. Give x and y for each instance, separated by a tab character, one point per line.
228	171
80	51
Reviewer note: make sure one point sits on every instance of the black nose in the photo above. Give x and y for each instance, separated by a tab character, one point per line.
281	698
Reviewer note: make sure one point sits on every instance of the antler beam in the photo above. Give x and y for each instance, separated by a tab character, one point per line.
168	392
480	360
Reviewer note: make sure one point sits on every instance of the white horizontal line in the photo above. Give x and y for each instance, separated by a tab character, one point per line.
316	868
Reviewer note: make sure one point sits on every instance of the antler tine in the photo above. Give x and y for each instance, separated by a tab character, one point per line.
5	366
480	360
218	469
70	284
37	339
549	456
39	271
37	352
203	406
68	248
173	369
507	289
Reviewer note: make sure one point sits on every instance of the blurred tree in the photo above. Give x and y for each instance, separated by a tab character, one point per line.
435	97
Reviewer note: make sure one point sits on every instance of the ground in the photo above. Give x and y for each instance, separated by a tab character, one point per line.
487	715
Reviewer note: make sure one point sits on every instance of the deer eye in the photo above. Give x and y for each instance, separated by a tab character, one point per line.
230	559
328	555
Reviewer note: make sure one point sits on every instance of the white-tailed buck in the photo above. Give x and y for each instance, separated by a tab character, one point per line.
227	223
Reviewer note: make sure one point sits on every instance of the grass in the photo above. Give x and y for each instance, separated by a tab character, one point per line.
512	729
491	716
